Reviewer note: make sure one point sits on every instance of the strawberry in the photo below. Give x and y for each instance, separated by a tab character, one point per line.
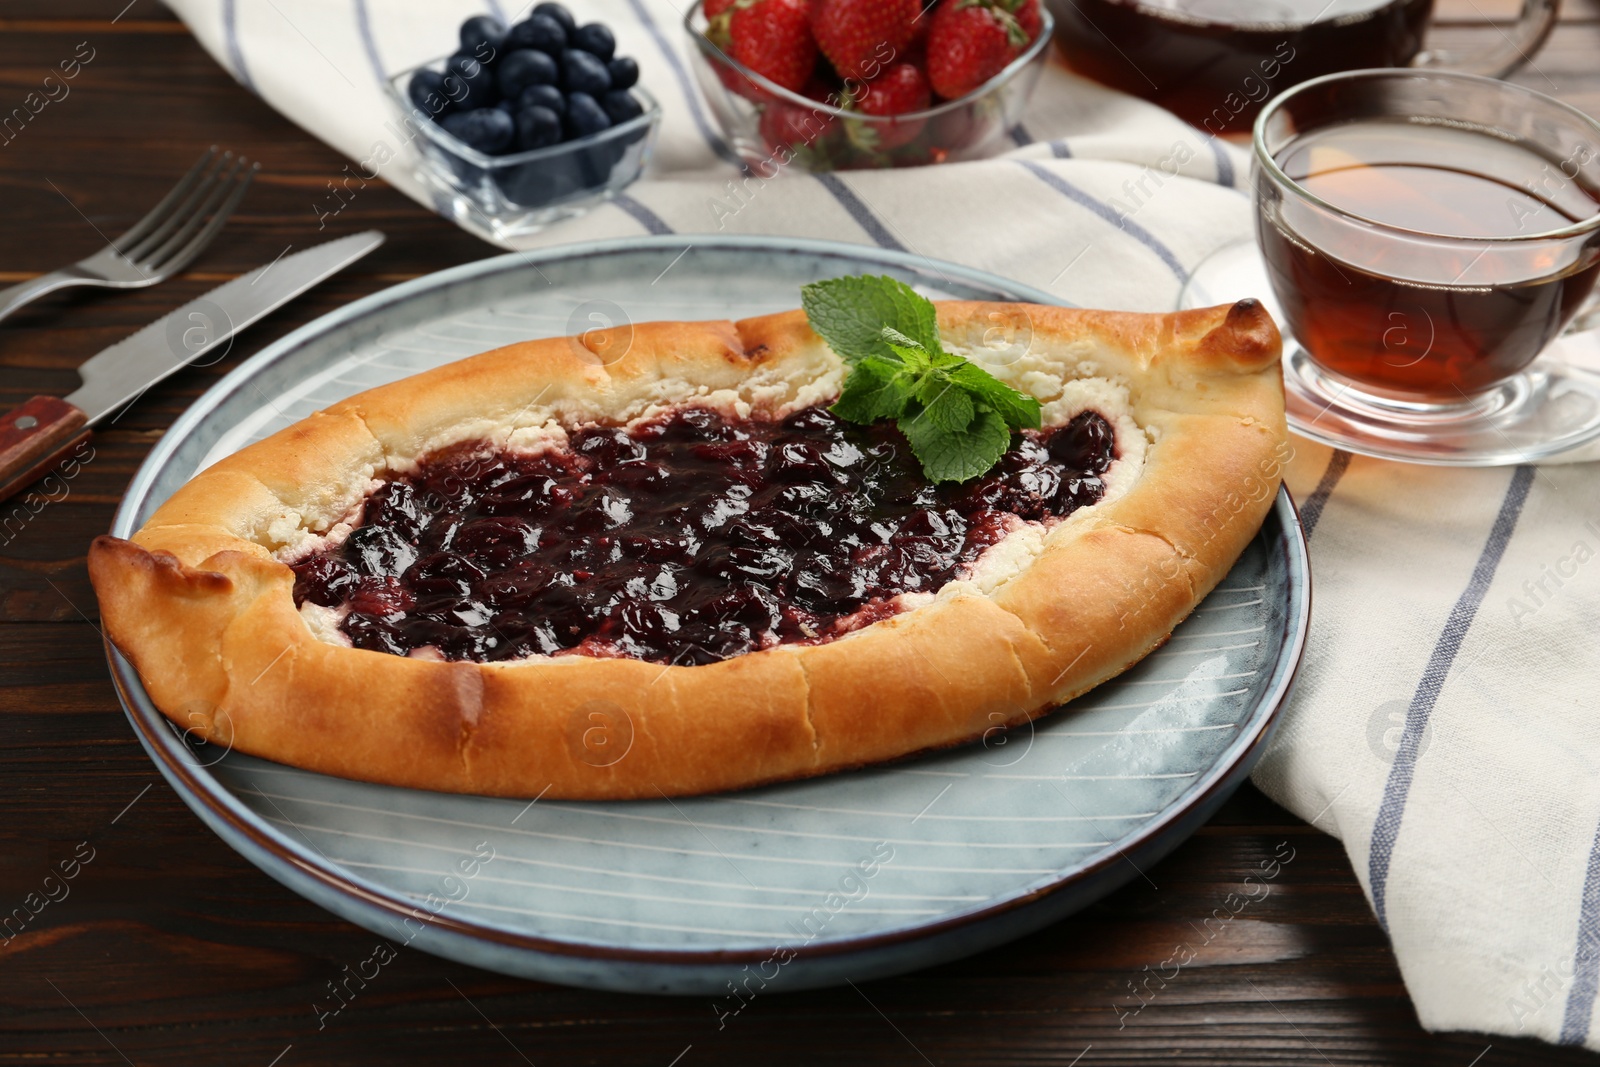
897	91
1029	19
796	127
862	37
958	130
784	124
773	38
717	13
970	42
900	89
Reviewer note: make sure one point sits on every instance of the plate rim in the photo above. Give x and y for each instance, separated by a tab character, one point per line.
264	844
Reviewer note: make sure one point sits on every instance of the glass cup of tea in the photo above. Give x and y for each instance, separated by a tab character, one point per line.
1423	237
1426	236
1216	62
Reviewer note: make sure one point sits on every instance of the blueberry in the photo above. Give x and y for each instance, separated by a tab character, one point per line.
469	83
585	116
465	95
559	13
523	68
596	40
542	182
541	32
581	72
546	96
482	36
624	72
467	66
488	129
426	90
537	127
621	106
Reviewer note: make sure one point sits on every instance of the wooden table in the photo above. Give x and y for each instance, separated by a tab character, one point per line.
171	949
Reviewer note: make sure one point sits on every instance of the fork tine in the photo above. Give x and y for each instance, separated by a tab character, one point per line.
218	192
181	258
155	215
194	203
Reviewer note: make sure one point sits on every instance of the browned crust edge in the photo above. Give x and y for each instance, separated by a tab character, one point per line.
198	603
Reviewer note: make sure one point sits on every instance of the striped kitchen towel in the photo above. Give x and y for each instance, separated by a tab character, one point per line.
1446	725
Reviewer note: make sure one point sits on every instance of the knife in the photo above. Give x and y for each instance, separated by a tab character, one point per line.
37	435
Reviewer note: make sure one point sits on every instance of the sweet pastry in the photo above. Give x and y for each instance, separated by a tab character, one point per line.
651	562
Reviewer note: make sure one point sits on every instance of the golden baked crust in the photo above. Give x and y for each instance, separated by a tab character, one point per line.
201	603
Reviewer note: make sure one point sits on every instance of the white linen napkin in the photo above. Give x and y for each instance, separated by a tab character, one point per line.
1447	724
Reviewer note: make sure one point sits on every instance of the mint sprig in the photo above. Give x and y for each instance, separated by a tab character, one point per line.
957	416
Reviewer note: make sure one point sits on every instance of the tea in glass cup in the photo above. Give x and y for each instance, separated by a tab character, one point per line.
1426	234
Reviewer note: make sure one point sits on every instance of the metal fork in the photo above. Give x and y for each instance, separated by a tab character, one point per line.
160	244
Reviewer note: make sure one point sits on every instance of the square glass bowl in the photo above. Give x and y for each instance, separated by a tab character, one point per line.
771	127
500	197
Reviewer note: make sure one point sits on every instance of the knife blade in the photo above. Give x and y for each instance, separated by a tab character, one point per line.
121	372
35	436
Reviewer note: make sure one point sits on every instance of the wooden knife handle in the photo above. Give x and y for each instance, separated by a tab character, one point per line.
34	438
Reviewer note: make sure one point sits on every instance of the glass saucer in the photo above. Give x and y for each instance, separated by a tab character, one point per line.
1550	408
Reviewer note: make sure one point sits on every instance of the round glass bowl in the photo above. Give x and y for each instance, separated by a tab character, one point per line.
771	127
501	197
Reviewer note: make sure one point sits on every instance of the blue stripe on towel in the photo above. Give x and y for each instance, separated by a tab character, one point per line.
1386	828
1021	136
861	213
643	215
368	41
1586	960
1224	162
1122	222
1060	149
230	31
1311	511
686	84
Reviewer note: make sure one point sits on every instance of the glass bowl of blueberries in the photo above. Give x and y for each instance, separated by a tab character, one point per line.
527	125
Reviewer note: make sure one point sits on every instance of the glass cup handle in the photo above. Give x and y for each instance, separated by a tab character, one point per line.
1517	46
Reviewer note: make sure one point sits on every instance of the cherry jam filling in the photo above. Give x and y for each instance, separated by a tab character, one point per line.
686	539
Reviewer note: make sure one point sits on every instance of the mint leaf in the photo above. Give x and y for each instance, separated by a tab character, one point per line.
947	405
850	314
958	456
876	389
957	416
896	339
914	314
1020	410
914	357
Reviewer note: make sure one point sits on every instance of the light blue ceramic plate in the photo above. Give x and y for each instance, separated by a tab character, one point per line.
846	877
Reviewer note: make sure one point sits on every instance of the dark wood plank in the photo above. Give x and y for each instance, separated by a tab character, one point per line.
89	16
170	948
54	171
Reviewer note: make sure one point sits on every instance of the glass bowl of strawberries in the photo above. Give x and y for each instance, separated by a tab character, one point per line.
853	84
